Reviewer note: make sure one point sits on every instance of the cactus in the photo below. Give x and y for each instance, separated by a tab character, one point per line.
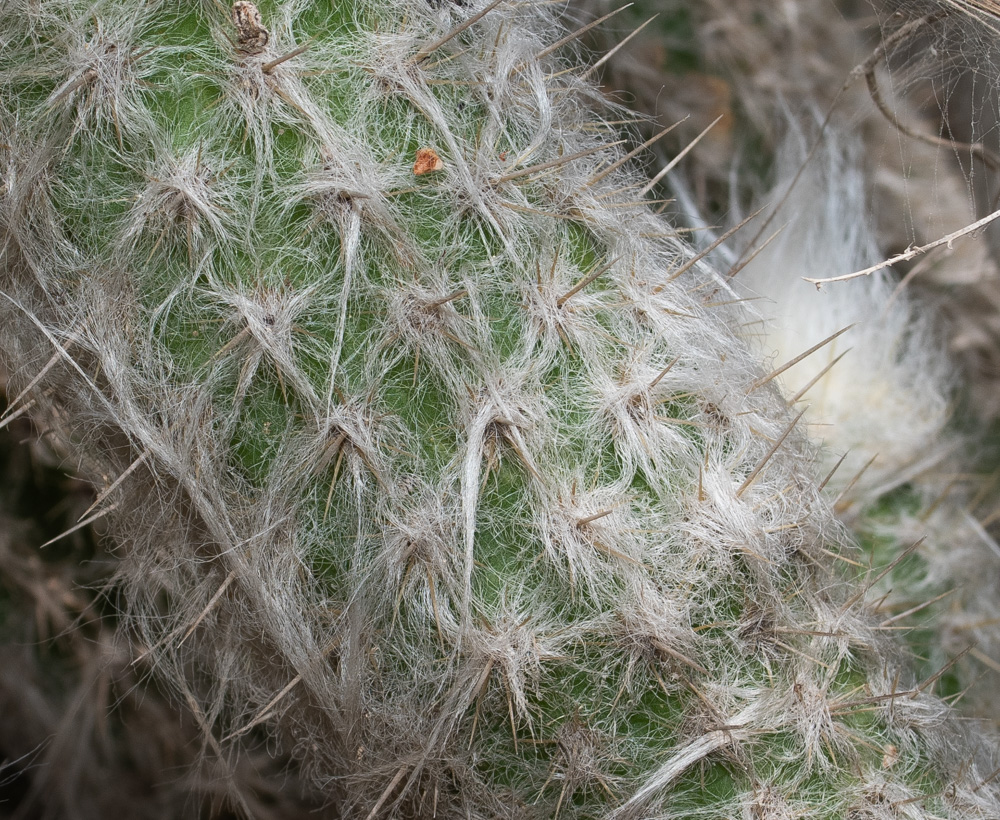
425	443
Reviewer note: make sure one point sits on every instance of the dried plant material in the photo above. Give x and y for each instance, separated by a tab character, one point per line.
909	253
987	12
427	162
251	36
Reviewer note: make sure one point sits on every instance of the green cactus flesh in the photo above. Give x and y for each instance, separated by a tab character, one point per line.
463	482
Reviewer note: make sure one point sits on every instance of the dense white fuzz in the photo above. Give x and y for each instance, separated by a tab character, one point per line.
184	201
589	531
102	71
888	398
879	397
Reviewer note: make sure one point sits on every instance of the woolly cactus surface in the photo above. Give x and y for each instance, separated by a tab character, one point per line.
426	444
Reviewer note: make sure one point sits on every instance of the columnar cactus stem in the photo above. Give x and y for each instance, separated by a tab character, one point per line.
424	445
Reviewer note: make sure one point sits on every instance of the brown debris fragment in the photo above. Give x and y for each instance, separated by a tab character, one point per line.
427	162
251	36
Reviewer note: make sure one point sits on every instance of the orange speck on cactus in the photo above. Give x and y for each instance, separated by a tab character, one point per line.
427	162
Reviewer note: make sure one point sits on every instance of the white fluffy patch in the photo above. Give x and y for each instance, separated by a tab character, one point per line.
887	399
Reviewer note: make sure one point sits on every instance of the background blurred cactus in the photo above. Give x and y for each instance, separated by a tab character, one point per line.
424	442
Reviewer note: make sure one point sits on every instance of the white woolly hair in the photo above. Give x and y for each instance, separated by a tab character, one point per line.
878	395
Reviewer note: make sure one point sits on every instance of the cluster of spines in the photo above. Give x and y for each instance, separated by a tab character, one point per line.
459	479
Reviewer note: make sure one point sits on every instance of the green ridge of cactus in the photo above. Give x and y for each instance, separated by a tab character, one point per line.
426	443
